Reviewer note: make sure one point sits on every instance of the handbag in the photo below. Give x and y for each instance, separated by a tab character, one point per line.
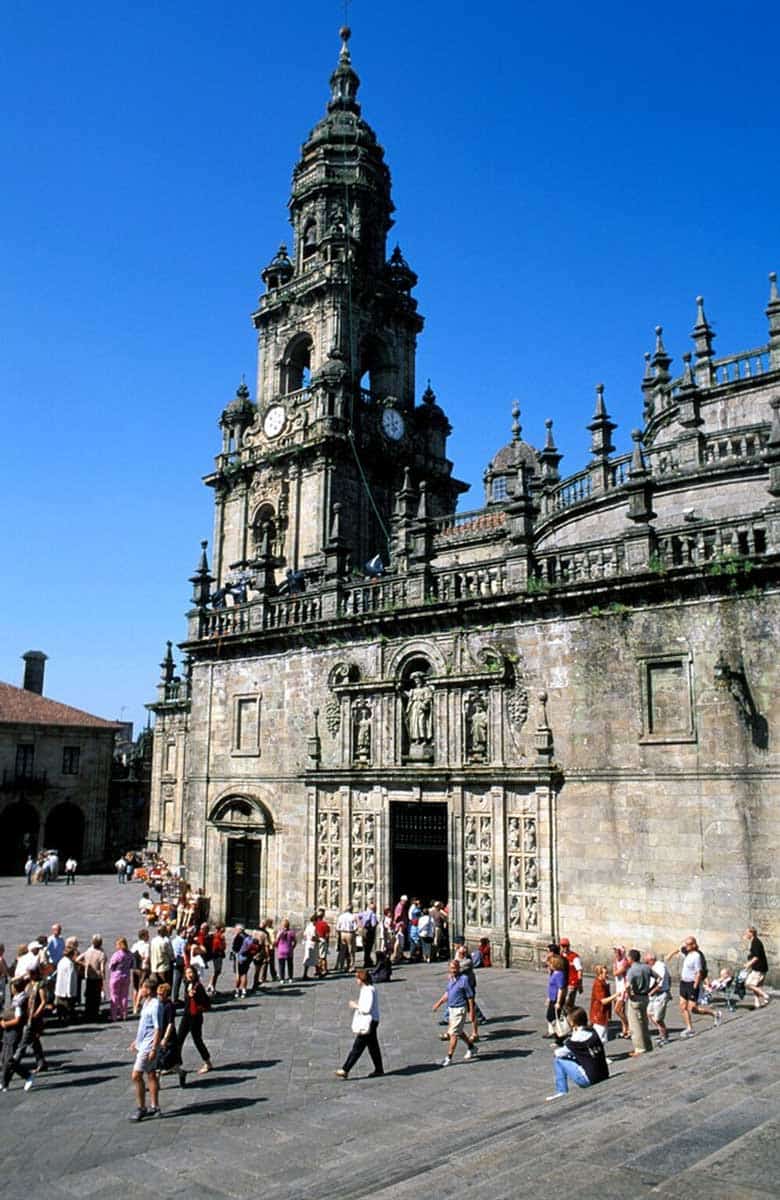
561	1025
361	1022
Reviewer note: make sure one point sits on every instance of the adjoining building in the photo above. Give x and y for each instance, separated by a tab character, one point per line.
55	763
557	712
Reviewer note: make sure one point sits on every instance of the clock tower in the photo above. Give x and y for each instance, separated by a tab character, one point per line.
335	419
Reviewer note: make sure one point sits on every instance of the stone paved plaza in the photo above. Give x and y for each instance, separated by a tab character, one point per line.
272	1119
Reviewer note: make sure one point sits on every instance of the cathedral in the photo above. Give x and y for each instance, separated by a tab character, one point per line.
558	712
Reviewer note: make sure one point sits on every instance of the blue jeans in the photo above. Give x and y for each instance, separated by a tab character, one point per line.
567	1069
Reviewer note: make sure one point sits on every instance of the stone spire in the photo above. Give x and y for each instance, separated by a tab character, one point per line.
703	336
202	580
601	429
167	669
660	363
549	457
773	315
517	428
344	82
648	388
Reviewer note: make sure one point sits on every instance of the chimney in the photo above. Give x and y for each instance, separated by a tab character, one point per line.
34	667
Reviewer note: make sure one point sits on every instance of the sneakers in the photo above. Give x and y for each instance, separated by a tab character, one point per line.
718	1018
662	1041
154	1111
472	1053
686	1033
28	1083
138	1115
555	1096
446	1061
342	1074
204	1070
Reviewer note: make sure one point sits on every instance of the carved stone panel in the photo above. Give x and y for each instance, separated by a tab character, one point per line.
478	870
363	859
522	871
328	859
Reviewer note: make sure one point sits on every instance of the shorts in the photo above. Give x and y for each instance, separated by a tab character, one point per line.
657	1005
688	991
457	1018
145	1061
754	979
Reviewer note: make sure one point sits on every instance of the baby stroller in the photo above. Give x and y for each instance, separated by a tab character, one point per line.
735	991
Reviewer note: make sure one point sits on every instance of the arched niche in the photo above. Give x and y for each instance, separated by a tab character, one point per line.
296	364
241	813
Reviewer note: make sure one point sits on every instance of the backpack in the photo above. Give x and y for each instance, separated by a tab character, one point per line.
704	970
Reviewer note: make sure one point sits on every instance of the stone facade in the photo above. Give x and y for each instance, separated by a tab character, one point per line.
557	711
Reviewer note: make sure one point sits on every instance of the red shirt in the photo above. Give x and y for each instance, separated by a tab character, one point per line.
322	929
599	1011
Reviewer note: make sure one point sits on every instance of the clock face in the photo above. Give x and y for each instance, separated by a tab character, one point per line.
274	421
393	424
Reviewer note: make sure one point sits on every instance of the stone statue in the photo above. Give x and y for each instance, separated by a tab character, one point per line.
476	727
485	834
471	908
470	838
529	836
363	733
471	871
514	910
531	877
513	833
531	912
487	870
515	882
368	834
486	909
419	710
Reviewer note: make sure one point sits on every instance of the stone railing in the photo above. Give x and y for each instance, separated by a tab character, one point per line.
463	583
571	491
597	560
737	443
281	613
694	545
380	596
741	366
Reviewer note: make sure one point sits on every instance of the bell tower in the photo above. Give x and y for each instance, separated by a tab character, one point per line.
335	420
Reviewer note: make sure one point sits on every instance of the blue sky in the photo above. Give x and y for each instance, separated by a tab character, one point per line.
565	178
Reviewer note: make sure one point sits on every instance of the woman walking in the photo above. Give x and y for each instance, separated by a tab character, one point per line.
365	1023
140	950
217	956
120	969
196	1003
556	990
285	947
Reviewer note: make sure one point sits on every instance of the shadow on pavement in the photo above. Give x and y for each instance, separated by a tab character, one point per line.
211	1106
257	1064
68	1082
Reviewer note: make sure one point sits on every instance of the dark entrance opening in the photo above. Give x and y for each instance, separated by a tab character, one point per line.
19	829
418	848
243	868
65	832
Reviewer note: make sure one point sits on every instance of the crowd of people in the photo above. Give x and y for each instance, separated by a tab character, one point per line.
169	976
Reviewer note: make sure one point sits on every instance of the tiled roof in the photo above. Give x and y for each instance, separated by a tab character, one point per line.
20	706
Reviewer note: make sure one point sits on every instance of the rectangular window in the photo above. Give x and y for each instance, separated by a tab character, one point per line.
170	758
70	760
246	725
667	701
25	758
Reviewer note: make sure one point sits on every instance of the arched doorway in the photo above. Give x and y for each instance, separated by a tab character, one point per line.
243	826
19	831
65	831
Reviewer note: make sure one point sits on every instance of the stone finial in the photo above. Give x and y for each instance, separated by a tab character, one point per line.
429	396
601	428
335	524
703	337
202	579
638	466
167	668
648	387
422	507
517	428
661	360
688	380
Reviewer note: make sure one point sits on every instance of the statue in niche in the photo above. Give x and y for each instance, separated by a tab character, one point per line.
323	859
357	828
531	876
362	743
322	826
470	836
514	910
357	860
515	877
484	833
513	833
322	894
476	727
529	836
370	863
471	908
471	871
486	909
335	895
487	870
334	827
368	829
335	859
531	912
419	718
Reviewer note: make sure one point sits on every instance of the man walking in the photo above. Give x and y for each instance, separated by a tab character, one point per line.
574	971
639	980
147	1039
660	993
346	928
161	956
457	997
70	870
692	975
13	1028
94	963
756	967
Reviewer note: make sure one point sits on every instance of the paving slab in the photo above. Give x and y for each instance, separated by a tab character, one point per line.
694	1116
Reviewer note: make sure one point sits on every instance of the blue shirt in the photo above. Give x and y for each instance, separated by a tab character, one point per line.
56	948
459	992
149	1022
368	919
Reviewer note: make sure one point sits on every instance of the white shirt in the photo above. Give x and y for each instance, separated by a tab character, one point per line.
425	926
661	972
27	962
66	983
142	949
368	1001
691	966
347	923
71	864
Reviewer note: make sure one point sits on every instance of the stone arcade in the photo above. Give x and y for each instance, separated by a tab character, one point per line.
557	712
